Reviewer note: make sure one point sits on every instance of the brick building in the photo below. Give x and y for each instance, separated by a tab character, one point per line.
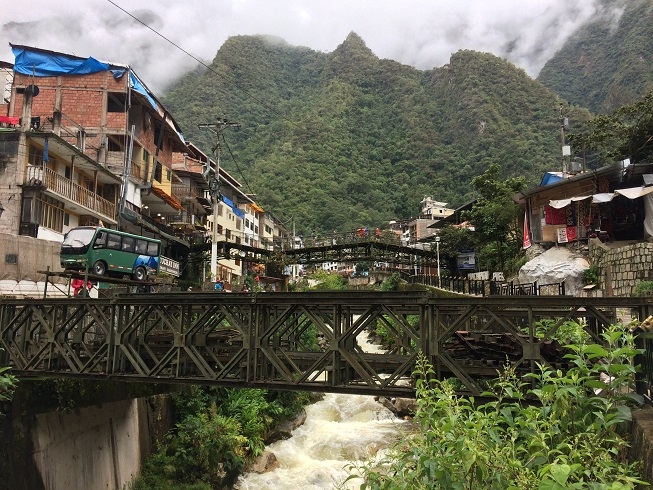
84	142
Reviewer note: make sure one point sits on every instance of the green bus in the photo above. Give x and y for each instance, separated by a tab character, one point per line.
110	252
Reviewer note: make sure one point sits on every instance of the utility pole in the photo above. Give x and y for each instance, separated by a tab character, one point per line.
566	150
214	187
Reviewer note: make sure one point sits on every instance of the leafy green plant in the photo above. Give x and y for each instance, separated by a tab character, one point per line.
219	430
591	275
392	283
7	384
643	288
569	439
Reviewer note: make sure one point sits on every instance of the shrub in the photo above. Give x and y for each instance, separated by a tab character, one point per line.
568	439
643	288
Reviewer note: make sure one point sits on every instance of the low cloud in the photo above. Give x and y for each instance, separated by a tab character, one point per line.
422	33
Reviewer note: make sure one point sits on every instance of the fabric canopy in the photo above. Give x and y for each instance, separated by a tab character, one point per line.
561	203
603	197
635	192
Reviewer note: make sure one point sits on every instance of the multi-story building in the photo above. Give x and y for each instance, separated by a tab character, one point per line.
84	142
98	146
431	211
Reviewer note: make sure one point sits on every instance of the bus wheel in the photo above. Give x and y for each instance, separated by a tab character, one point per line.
140	274
99	268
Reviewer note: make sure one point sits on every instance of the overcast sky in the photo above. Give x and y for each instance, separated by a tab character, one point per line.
420	33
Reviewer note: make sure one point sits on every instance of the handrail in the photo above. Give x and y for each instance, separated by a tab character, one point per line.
66	188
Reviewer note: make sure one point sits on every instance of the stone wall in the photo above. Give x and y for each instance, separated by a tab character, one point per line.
621	269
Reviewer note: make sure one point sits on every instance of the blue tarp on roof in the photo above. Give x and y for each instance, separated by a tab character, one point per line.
550	178
233	207
40	64
53	64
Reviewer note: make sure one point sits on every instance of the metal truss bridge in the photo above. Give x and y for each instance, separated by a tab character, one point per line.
263	340
356	251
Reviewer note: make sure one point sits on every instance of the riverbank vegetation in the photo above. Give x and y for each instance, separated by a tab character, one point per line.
552	431
218	431
7	384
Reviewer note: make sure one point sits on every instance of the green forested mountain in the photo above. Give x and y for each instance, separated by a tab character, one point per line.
609	62
344	139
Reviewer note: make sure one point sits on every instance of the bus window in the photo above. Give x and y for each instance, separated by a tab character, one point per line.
128	244
153	249
113	241
100	240
141	247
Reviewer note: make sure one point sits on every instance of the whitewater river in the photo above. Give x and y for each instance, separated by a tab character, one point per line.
339	430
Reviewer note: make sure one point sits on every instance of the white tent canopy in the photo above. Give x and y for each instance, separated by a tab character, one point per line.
630	193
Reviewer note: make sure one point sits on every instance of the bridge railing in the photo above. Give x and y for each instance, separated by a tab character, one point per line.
488	288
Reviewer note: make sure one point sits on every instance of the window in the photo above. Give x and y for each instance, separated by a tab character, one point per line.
141	247
168	175
128	244
101	240
113	241
35	157
48	212
146	157
227	234
152	249
157	172
116	102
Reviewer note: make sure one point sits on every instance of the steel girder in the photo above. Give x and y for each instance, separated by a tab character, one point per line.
263	340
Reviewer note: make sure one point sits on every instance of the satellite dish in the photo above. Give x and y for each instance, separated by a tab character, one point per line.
32	90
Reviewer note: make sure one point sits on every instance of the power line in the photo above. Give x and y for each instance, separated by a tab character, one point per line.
246	92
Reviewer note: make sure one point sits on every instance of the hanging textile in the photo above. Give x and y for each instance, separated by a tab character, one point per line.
555	216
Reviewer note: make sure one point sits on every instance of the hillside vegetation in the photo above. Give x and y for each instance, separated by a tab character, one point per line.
344	139
609	62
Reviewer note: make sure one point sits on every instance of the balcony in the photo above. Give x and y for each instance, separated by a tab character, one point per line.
68	190
186	191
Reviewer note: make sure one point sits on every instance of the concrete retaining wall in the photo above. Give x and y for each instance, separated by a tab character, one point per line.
97	448
31	255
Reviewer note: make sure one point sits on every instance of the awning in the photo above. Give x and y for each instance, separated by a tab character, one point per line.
561	203
634	192
603	197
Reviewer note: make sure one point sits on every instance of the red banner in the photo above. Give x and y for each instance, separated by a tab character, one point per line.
527	236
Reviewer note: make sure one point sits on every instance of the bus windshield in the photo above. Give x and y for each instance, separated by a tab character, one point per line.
79	237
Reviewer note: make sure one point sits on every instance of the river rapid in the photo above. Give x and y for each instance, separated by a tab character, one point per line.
339	431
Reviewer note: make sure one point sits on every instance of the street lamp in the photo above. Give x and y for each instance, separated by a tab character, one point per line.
437	252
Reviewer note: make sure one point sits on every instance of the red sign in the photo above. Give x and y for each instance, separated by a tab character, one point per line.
527	236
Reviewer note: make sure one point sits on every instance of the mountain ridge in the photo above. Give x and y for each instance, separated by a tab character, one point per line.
345	139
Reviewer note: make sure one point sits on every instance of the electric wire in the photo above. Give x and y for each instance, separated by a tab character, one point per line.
246	92
208	67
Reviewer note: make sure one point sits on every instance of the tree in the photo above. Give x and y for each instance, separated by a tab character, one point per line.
453	240
627	133
495	214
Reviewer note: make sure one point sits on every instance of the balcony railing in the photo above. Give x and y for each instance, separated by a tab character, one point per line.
186	191
67	189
